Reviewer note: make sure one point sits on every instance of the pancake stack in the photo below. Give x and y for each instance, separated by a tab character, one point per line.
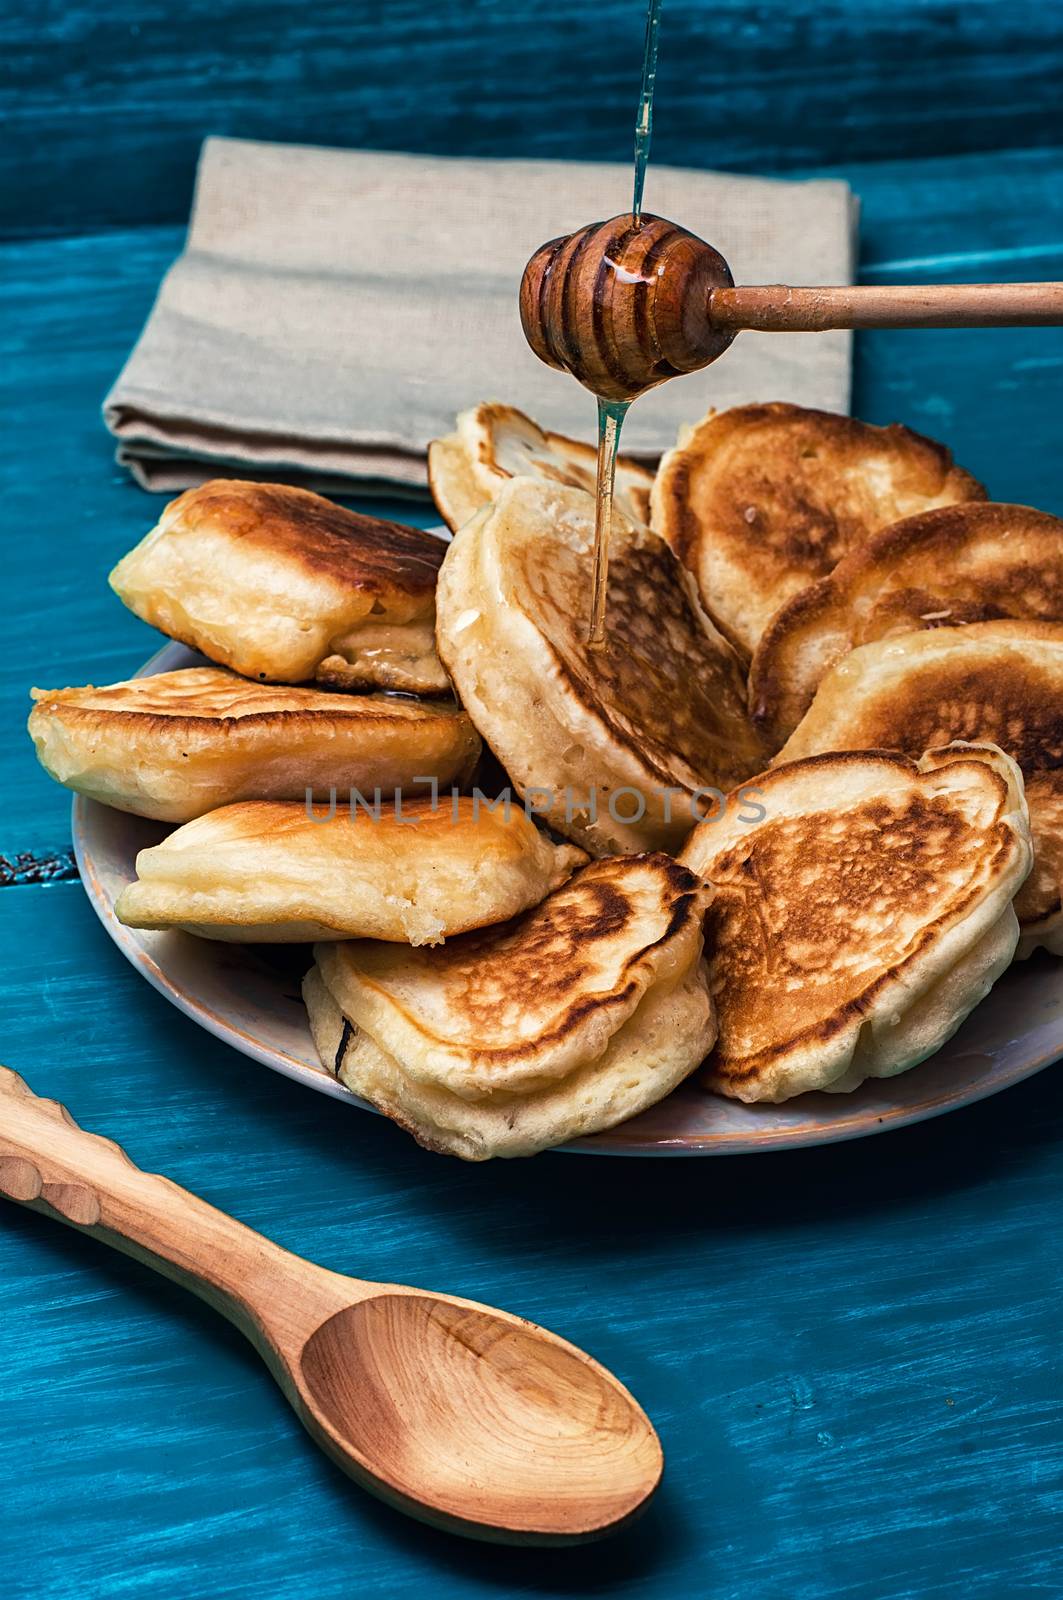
788	827
975	562
991	680
571	1019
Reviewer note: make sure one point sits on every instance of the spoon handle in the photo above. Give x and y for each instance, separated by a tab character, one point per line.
51	1165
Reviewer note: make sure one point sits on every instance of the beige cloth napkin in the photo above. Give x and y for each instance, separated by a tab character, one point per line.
334	309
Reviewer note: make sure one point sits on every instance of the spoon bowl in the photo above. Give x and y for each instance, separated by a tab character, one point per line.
465	1416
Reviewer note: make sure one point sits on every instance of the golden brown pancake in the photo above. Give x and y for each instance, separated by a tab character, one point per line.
283	586
181	743
958	564
452	481
617	741
568	1020
860	917
997	681
760	501
494	443
278	871
1038	903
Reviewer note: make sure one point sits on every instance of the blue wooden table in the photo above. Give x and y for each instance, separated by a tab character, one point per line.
852	1355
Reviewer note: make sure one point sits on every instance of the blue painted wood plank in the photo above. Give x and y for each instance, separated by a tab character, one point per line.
104	107
852	1354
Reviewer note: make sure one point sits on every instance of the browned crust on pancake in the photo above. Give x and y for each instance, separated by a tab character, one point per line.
450	455
158	720
364	710
947	705
811	430
715	689
540	948
740	484
1028	586
952	693
358	552
183	743
1039	902
944	685
929	818
637	493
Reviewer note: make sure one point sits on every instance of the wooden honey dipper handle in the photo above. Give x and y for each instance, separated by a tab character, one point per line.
775	308
623	305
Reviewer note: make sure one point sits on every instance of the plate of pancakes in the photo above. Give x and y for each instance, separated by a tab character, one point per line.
780	864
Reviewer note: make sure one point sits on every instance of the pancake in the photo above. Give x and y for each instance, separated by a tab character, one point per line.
452	482
283	586
181	743
999	681
1038	902
958	564
762	500
271	871
617	742
564	1022
861	918
494	443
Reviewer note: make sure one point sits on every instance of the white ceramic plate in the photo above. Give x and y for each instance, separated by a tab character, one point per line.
249	996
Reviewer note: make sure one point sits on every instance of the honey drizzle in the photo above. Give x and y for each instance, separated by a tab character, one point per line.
644	118
611	413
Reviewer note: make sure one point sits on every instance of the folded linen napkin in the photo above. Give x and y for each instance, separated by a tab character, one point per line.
334	309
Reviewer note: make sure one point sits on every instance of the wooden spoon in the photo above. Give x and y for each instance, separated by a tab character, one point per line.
468	1418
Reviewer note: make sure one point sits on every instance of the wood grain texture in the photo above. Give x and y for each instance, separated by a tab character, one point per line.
117	99
779	309
851	1355
623	308
462	1415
